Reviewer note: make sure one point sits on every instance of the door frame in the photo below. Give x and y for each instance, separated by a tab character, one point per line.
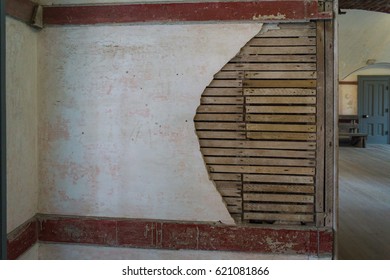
362	78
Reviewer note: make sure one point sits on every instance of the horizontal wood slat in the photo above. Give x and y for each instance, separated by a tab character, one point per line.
259	161
221	135
220	109
278	179
279	83
280	118
281	136
292	208
261	169
299	198
286	32
219	126
281	75
219	117
274	58
278	91
281	100
278	188
270	66
221	100
279	145
257	153
281	109
279	50
281	127
283	217
303	41
222	92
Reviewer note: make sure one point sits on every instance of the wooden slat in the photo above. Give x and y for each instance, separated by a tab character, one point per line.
222	100
274	58
278	91
297	198
297	25
219	117
281	75
279	217
281	127
262	169
257	153
224	176
278	179
281	118
270	66
220	109
277	145
281	136
230	192
279	83
222	92
278	188
221	135
281	100
225	83
259	161
233	201
219	126
304	41
299	32
279	50
229	75
281	109
291	208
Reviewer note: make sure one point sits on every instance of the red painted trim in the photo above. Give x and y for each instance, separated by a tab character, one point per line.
22	238
158	234
262	11
20	9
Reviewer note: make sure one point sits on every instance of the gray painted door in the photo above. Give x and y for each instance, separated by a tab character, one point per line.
373	92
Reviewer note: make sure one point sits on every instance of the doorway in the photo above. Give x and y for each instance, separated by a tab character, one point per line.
373	108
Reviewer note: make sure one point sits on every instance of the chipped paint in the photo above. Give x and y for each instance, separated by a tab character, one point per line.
278	16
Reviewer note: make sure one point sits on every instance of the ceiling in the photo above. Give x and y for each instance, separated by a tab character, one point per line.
369	5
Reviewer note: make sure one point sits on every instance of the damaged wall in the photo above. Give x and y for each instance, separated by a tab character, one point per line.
22	156
116	119
363	36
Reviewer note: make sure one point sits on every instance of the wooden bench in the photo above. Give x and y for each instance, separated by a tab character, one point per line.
349	131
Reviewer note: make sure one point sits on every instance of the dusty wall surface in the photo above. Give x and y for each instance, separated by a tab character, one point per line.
348	94
22	156
363	36
116	128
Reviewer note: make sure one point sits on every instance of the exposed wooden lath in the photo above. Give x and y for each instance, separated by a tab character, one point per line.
257	127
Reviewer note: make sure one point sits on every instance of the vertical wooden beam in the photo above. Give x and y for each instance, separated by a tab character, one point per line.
330	120
320	124
3	182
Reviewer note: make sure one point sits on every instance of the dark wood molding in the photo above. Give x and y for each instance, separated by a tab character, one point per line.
355	83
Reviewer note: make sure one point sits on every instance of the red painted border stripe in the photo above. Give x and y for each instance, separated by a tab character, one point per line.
158	234
22	238
20	9
264	11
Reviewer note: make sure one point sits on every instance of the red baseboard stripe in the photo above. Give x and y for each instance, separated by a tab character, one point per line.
149	234
180	235
263	11
20	9
22	238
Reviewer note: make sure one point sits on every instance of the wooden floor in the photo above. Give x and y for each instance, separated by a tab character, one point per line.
364	203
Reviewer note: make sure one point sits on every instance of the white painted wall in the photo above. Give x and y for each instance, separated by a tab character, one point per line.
21	90
363	35
116	131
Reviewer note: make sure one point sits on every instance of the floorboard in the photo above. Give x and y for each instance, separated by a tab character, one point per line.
364	206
